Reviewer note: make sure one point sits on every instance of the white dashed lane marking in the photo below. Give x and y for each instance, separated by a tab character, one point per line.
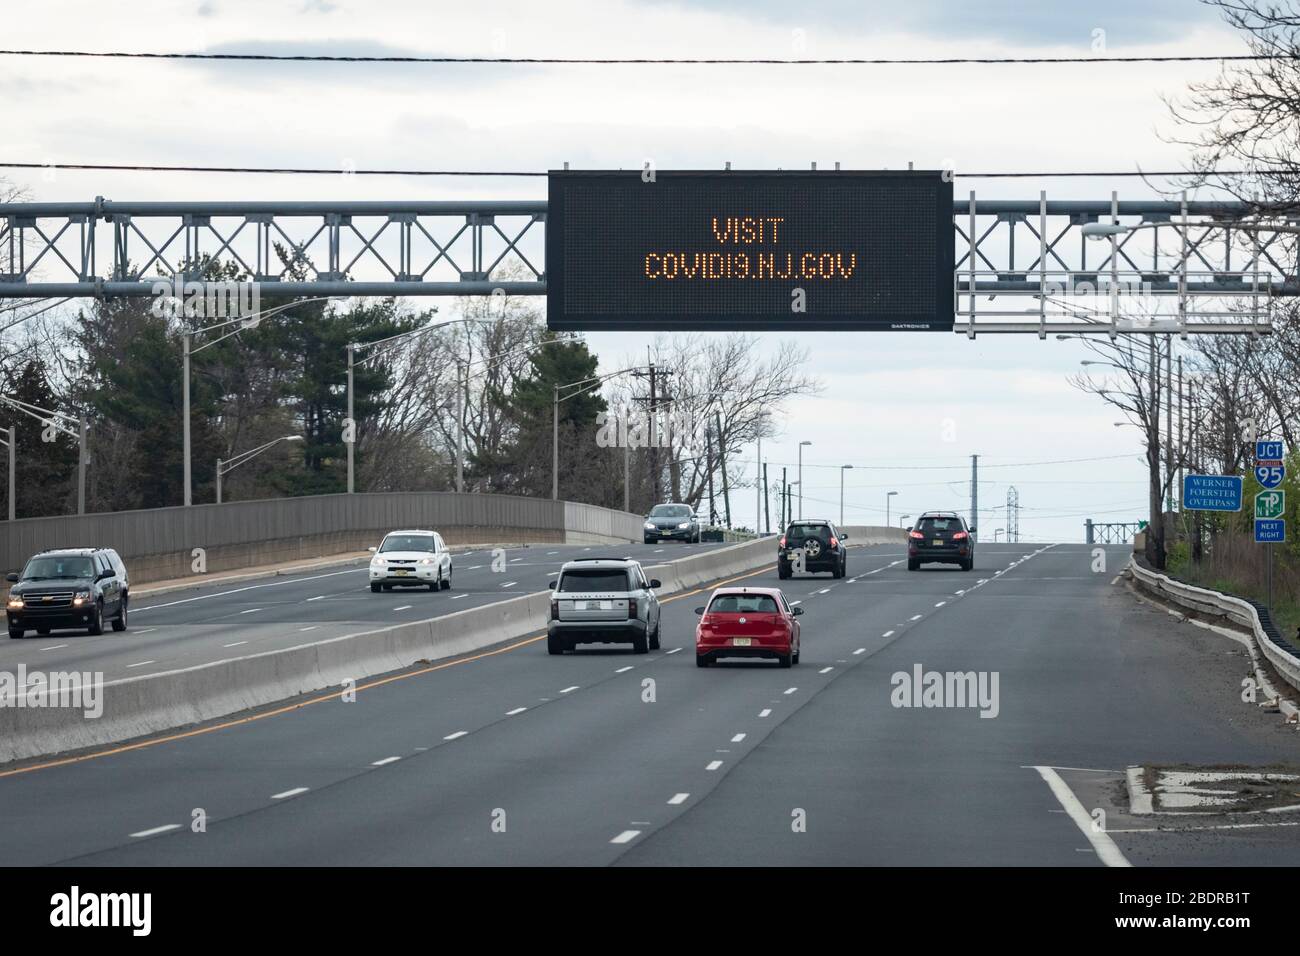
627	836
459	733
156	830
288	793
385	761
714	765
678	798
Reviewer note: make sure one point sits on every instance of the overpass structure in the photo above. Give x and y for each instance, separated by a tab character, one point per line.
1021	265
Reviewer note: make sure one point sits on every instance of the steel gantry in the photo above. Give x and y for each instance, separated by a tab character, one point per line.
1021	265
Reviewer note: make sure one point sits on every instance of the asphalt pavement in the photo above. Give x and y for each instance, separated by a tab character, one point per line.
509	756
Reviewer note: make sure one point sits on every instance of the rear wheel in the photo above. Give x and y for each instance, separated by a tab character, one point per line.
119	622
554	645
702	660
783	660
640	644
654	638
913	565
967	565
782	570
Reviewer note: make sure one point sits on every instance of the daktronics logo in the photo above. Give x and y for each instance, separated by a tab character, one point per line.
100	910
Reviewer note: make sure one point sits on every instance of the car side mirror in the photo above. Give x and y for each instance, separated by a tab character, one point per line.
699	610
655	583
552	585
909	527
372	549
843	536
972	529
104	575
796	611
12	577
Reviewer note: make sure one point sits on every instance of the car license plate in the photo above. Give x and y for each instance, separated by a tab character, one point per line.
401	571
938	542
740	642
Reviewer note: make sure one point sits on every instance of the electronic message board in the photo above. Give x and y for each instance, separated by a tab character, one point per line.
768	250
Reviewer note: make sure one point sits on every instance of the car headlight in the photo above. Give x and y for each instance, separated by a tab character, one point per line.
81	597
376	562
649	525
683	525
15	602
426	560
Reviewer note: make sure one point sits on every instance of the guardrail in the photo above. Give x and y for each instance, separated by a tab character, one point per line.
138	706
1216	604
162	543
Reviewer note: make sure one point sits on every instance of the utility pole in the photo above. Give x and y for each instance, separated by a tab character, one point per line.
555	442
1169	423
722	462
654	374
185	414
460	427
708	465
627	476
785	498
83	459
975	493
12	445
758	486
767	504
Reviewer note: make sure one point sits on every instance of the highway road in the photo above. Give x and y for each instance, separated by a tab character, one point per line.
211	622
511	757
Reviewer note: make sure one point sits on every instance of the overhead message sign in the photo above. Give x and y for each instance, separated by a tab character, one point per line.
1212	492
761	251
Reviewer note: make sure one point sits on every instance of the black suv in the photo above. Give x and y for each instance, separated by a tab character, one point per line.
940	537
69	588
816	545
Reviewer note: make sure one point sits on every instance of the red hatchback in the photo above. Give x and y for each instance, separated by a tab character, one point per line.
747	622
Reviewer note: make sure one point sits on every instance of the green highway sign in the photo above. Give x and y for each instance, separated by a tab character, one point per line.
1269	505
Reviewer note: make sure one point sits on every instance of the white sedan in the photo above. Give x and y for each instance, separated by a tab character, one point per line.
407	558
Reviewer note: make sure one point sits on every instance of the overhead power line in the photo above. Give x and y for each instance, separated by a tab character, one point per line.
645	61
338	171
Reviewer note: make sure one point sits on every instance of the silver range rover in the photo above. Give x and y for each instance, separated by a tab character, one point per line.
603	601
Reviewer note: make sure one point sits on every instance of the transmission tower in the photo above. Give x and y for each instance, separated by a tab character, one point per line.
1013	514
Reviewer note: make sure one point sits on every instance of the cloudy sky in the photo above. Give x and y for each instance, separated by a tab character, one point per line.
906	409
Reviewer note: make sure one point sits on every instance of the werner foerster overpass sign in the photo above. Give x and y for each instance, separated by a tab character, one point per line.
764	251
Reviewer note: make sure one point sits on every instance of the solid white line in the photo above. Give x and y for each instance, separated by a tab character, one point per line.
252	610
53	647
289	793
141	664
1106	849
860	650
236	644
386	760
627	836
156	830
714	765
791	690
765	712
567	689
622	669
826	670
738	738
888	634
404	607
678	798
517	710
459	733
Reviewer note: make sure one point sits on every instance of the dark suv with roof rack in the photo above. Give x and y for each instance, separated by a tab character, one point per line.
940	537
69	588
812	546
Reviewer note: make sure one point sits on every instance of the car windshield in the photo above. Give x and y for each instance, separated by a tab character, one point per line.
670	511
58	567
940	524
743	604
407	542
594	579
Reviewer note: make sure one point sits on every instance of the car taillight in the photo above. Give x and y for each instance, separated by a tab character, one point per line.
631	610
959	536
915	534
834	543
555	610
782	544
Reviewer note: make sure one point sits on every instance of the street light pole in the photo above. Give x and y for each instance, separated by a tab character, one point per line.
888	495
843	469
218	481
555	442
352	424
800	477
185	411
12	445
82	461
461	372
244	457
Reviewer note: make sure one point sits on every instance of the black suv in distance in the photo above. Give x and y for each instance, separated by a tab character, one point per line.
940	537
822	545
69	588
